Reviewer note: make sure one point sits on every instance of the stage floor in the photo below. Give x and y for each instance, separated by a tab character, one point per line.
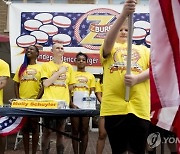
91	149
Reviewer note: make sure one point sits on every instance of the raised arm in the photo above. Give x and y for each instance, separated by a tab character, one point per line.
129	7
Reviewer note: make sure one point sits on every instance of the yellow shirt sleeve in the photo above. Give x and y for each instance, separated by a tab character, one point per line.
98	86
4	72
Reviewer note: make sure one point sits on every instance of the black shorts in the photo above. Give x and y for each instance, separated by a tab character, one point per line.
53	122
127	133
31	125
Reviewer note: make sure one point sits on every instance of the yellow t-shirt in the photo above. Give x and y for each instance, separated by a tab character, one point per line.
113	100
4	72
99	86
84	81
59	90
29	83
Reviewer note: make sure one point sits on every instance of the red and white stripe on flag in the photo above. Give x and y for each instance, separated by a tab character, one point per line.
165	63
10	125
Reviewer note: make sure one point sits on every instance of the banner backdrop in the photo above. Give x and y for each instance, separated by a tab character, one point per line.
79	27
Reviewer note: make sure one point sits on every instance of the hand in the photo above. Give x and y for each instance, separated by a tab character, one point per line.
129	6
131	80
62	69
73	106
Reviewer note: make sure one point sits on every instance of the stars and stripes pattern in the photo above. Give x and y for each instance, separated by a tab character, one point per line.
10	125
165	64
80	25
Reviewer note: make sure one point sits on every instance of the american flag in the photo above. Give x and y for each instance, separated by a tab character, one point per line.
165	64
10	125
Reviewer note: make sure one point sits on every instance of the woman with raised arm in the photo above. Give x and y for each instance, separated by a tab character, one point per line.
126	123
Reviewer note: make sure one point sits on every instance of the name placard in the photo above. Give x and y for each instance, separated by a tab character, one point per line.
37	103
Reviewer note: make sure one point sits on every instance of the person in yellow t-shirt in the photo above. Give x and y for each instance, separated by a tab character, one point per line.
4	75
126	123
58	78
102	131
85	82
27	85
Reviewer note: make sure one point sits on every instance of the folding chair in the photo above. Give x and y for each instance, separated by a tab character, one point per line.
18	140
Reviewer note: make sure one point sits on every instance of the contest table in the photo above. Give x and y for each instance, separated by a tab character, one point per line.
26	112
